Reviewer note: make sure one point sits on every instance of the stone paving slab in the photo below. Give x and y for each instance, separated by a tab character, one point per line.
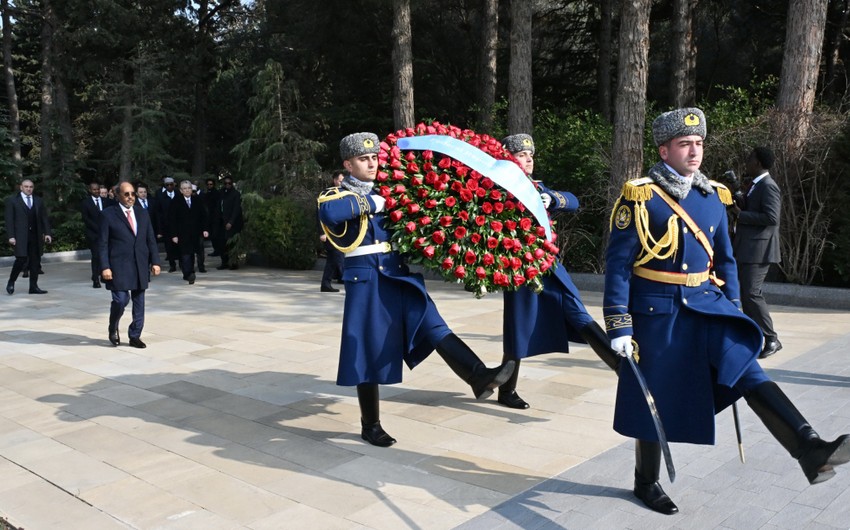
231	419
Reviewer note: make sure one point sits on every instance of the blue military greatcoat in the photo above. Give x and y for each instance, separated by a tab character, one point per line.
693	342
545	322
388	316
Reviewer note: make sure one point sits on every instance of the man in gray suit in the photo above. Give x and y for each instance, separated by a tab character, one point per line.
757	242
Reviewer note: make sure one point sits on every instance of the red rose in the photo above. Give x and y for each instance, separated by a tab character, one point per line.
481	192
391	203
410	227
430	178
541	231
412	208
412	168
447	263
438	237
480	220
450	201
545	266
530	239
549	247
428	155
431	204
469	257
492	242
454	250
509	206
507	243
496	226
475	238
411	156
505	262
460	272
498	207
456	186
539	253
465	195
422	193
395	164
496	195
480	273
531	272
428	166
463	214
424	220
428	251
488	259
395	215
525	223
462	171
416	181
528	257
460	232
419	242
501	279
516	263
399	189
511	224
472	185
445	162
382	176
487	208
446	220
519	279
440	186
486	183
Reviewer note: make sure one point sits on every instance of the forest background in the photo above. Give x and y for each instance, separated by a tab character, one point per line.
263	90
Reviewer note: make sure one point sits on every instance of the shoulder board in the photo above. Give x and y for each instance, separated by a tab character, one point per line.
638	189
723	192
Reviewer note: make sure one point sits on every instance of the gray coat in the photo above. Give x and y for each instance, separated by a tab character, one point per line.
757	231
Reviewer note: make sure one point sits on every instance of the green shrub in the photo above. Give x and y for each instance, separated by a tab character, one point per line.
281	230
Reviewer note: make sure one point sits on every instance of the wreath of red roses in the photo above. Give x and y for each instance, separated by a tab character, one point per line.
453	220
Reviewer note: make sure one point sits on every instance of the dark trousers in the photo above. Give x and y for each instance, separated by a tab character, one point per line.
95	261
751	276
187	264
200	253
120	299
333	265
32	260
172	251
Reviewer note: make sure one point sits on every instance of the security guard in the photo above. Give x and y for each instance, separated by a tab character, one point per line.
545	322
671	287
388	315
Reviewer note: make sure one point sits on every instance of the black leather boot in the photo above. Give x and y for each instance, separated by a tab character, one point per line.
599	342
507	392
470	369
372	432
647	469
816	456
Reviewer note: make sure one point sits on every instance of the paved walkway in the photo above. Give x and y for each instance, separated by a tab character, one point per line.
231	419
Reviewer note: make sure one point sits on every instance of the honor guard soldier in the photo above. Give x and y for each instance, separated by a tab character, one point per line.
671	287
545	322
388	316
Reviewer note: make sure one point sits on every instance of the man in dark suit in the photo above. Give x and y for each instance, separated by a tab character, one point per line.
28	229
212	200
163	204
187	221
757	243
231	217
91	208
128	256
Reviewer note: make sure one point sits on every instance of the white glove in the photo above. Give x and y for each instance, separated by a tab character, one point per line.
380	202
623	345
547	200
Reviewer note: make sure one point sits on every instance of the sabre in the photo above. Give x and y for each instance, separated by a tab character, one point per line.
653	412
503	172
738	432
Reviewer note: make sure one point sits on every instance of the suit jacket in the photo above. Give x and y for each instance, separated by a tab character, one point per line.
129	255
757	231
231	210
92	217
187	224
17	224
161	205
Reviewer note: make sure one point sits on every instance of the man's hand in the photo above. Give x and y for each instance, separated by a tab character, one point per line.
12	241
323	238
174	240
154	269
547	200
380	202
206	234
106	274
228	226
623	345
48	239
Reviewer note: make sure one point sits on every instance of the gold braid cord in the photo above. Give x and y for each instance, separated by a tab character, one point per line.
333	194
639	191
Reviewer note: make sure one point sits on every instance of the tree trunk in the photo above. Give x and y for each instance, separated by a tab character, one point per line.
837	21
487	66
603	64
11	92
47	107
683	60
125	169
403	115
519	82
799	77
630	105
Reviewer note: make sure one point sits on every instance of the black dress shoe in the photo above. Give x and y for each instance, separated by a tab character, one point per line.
213	254
114	338
191	278
770	347
36	290
376	435
234	267
654	498
26	274
202	269
95	284
10	288
41	271
512	400
328	289
172	268
137	343
222	267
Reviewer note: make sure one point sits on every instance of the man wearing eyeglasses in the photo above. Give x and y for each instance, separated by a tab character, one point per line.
128	256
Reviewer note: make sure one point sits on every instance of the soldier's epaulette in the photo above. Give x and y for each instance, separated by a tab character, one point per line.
638	189
331	194
723	192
